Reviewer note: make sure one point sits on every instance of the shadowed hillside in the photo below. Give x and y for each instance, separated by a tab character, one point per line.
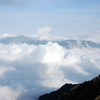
54	95
89	90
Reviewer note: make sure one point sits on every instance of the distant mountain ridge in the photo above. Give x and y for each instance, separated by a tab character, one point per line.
68	44
78	44
22	39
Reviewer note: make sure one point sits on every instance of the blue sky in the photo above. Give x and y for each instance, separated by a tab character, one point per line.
78	19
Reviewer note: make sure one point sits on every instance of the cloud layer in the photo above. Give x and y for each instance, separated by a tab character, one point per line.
43	32
28	71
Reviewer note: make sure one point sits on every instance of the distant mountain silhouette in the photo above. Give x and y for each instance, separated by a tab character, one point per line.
22	39
89	90
68	44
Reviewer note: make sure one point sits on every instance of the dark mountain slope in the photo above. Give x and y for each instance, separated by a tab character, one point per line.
55	94
86	91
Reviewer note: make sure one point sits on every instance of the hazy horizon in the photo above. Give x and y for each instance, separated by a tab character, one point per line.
47	19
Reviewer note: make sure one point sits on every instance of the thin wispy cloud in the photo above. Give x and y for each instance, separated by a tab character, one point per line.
62	16
78	10
43	32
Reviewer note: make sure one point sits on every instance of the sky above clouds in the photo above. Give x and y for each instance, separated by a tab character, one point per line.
78	19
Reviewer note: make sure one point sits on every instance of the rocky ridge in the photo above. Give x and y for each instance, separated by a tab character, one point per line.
68	44
89	90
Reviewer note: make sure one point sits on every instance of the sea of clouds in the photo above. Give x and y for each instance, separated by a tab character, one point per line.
29	71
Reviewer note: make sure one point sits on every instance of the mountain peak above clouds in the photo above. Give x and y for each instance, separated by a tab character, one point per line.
21	39
78	44
68	44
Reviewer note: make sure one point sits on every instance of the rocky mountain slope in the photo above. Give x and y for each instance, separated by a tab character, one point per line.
55	94
89	90
22	39
68	44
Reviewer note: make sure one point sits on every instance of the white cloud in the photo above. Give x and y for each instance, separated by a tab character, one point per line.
86	34
54	53
34	35
8	94
43	32
6	35
28	71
